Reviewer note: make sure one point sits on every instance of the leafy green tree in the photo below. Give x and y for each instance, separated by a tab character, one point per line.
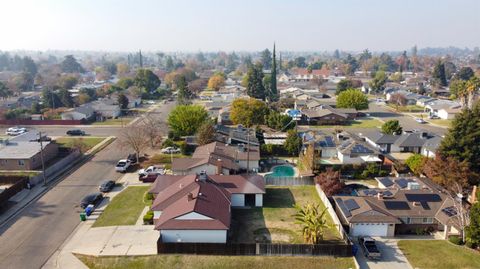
266	59
248	112
68	82
465	73
122	101
462	141
279	122
439	73
5	92
125	83
65	98
24	81
29	66
186	119
378	82
392	127
36	108
473	230
146	79
352	99
300	62
415	163
255	87
313	221
273	92
50	99
206	133
346	84
293	143
70	65
184	94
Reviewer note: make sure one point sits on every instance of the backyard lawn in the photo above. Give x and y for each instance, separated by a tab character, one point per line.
427	254
274	222
125	208
215	262
363	123
88	142
117	121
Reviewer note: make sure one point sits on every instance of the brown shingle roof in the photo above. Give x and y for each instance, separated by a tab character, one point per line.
223	150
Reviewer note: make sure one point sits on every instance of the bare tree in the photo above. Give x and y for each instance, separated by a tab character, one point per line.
152	128
133	137
398	99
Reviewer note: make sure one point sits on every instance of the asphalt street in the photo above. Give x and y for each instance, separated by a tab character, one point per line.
30	238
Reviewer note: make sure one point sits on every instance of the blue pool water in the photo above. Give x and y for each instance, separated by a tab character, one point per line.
282	171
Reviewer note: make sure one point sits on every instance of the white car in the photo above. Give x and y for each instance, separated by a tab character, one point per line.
170	150
16	131
122	166
419	120
151	170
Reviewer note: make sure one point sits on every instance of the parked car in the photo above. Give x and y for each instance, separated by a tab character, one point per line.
151	170
107	186
122	166
419	120
170	150
148	178
14	131
75	132
91	199
369	248
433	117
132	158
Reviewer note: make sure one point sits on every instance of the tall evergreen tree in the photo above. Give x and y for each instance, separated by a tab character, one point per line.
255	86
141	59
273	94
184	94
439	74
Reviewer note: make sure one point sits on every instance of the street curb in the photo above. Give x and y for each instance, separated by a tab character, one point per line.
62	174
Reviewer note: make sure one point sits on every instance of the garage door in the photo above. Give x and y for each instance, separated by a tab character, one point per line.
370	229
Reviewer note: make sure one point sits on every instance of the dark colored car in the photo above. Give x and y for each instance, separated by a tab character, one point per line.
75	132
132	158
148	178
91	199
107	186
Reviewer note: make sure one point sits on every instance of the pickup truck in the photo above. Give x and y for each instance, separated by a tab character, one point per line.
122	166
151	170
369	248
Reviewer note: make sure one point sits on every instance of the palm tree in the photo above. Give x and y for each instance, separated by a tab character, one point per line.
471	87
313	222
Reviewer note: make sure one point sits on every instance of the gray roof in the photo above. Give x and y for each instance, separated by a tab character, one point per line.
381	138
410	140
20	149
433	143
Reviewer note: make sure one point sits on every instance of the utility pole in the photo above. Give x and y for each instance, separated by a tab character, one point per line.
248	151
41	158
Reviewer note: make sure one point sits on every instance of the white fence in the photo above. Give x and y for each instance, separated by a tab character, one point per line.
332	212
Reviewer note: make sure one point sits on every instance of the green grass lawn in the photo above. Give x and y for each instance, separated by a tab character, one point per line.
363	123
425	254
275	219
88	142
125	208
441	122
117	121
215	262
409	108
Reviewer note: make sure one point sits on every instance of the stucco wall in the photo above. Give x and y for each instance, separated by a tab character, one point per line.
194	236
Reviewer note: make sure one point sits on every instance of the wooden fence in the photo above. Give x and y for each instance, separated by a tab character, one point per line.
41	122
288	181
18	184
255	249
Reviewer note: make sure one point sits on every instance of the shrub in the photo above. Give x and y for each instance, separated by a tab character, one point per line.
148	218
455	240
148	196
168	143
173	136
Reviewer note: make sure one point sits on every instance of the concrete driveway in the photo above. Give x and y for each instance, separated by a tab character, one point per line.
392	256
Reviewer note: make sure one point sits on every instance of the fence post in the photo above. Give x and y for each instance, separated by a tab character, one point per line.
257	249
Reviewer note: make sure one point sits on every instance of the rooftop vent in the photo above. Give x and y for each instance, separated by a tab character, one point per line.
202	176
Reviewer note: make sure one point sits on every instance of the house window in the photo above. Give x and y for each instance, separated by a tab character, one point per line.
21	162
428	220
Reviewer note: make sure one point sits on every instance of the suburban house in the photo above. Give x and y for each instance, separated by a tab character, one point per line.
352	151
219	158
444	109
398	206
320	116
105	109
236	135
83	112
224	116
23	152
197	207
416	142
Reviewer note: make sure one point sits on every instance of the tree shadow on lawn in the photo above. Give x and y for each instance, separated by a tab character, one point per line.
279	198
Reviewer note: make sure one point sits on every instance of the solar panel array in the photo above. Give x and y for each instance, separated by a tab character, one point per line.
396	205
344	209
387	193
425	205
329	141
450	211
351	204
359	148
423	197
370	192
386	182
402	183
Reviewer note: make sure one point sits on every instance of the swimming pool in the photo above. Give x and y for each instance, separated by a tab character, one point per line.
282	171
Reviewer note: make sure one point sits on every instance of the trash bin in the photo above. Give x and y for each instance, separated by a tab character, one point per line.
83	216
89	210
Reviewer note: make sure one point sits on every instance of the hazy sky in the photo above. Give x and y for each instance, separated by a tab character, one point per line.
209	25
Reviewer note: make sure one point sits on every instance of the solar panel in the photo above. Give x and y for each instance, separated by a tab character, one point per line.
427	197
345	211
396	205
450	211
387	193
402	183
425	205
386	182
351	204
370	192
329	141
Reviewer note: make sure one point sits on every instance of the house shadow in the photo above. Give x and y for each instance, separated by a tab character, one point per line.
384	114
248	225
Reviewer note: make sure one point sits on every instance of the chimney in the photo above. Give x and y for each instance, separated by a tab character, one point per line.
190	196
380	196
219	167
